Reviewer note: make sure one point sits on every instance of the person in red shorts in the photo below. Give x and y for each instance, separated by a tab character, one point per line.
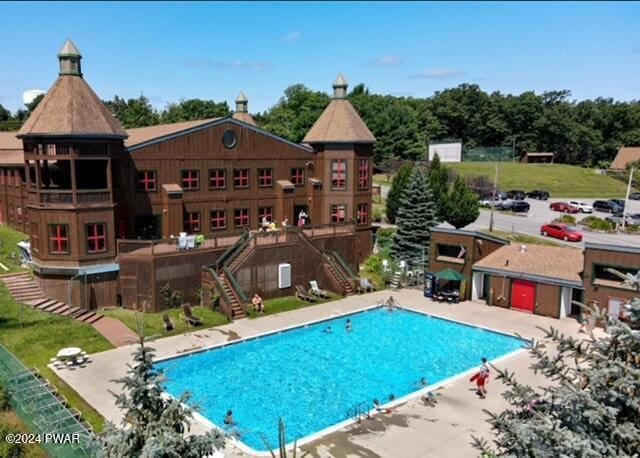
481	378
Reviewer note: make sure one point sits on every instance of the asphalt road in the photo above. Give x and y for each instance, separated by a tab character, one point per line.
541	214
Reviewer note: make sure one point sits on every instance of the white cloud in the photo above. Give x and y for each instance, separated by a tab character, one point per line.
236	64
439	73
293	36
386	61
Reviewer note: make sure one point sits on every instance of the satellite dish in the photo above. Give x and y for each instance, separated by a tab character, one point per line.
31	94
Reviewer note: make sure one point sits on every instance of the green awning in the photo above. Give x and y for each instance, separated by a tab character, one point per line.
450	274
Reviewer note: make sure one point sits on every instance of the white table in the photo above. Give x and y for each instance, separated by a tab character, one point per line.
69	353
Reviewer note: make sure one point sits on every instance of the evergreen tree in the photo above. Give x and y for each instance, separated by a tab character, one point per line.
153	426
461	205
398	185
591	409
416	217
439	182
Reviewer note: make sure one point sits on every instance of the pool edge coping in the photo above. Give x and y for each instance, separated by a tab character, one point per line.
345	423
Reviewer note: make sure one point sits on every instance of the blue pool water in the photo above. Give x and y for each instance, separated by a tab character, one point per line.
311	379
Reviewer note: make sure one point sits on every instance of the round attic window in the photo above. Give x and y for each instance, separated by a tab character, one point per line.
229	139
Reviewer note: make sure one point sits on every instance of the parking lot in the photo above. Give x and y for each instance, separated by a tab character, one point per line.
541	214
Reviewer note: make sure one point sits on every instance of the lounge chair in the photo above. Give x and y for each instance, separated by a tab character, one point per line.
366	285
189	316
316	291
168	324
303	295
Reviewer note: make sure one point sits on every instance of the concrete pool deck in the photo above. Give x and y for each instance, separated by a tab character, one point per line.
413	429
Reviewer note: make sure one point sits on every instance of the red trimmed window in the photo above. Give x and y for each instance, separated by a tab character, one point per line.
147	181
241	217
265	178
190	180
191	222
9	177
265	212
338	213
35	237
217	179
339	174
297	177
218	219
96	237
17	179
240	178
58	239
363	214
363	174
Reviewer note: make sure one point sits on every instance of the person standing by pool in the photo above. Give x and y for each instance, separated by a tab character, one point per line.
349	326
481	378
391	303
258	304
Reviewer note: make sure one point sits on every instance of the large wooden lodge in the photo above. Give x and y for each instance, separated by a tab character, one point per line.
104	206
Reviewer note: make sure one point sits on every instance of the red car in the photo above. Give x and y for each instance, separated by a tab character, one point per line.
561	231
564	207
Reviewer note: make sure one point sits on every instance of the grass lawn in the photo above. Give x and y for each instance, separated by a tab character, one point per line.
284	304
153	326
35	337
521	238
11	420
559	179
9	254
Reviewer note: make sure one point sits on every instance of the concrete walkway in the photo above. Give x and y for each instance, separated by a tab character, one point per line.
412	430
115	331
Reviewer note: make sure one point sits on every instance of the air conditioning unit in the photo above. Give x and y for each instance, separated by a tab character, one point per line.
284	275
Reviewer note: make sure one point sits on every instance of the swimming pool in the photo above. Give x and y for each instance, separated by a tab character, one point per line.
311	379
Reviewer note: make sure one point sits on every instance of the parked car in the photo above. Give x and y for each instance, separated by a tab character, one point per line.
505	204
561	231
501	195
607	206
629	219
582	206
537	194
634	196
520	206
516	194
619	202
490	202
563	207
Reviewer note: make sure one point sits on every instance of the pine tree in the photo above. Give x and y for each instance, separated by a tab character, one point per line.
399	184
153	426
461	206
591	409
439	181
416	217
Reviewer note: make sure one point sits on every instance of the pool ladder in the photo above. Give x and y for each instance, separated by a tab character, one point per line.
359	411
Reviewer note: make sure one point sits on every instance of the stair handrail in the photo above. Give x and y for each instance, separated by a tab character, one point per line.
345	266
231	250
358	411
221	289
236	287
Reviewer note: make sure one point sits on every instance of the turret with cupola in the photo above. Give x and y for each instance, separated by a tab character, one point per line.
344	146
72	144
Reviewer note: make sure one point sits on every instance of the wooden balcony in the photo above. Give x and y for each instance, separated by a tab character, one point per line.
65	197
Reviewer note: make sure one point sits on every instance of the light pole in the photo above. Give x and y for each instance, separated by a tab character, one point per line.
493	199
626	199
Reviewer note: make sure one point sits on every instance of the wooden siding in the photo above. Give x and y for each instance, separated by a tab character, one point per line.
610	258
548	300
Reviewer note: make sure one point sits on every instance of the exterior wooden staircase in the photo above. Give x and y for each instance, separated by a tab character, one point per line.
24	289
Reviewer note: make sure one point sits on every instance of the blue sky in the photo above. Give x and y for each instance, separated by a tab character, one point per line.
203	50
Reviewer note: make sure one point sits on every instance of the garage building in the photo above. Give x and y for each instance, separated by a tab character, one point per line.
536	279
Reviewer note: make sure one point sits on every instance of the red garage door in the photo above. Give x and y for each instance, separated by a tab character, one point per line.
523	295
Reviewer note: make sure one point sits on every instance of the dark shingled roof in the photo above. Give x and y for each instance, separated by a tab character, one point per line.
339	123
71	107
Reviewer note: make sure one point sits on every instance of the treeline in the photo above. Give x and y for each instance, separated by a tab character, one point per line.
586	133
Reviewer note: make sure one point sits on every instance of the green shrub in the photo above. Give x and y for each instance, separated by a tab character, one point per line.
598	224
377	214
9	450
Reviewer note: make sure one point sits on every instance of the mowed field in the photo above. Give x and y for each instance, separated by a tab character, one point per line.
559	179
